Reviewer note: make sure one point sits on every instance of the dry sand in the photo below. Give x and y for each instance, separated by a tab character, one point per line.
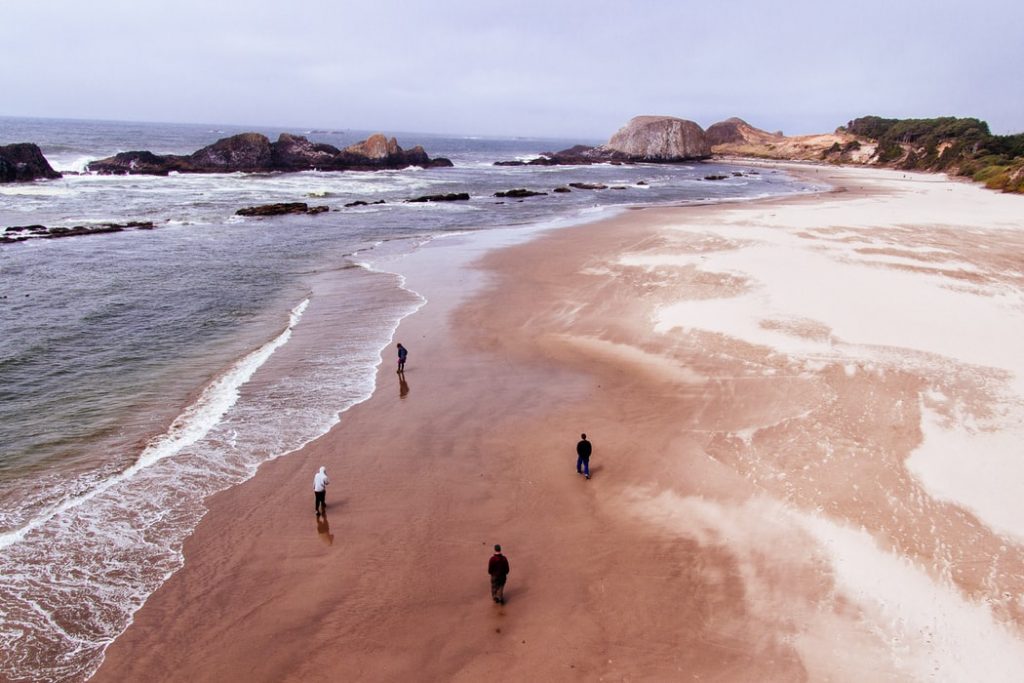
806	466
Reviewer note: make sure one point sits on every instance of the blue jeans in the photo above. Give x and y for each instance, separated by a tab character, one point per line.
585	462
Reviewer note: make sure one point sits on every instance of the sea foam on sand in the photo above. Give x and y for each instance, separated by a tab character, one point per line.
904	623
928	276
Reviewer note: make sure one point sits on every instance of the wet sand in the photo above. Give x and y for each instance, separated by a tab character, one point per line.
768	387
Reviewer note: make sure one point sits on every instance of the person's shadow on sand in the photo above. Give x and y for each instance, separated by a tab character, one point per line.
324	529
403	386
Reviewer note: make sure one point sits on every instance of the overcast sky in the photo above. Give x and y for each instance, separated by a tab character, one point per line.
556	68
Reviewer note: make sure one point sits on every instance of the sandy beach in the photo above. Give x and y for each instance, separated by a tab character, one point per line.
806	415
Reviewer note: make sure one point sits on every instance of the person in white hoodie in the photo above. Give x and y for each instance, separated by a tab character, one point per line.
320	482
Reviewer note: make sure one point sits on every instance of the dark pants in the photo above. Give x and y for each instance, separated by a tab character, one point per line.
319	502
583	463
498	587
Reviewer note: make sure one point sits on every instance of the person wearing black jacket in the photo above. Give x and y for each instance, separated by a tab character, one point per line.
583	450
497	567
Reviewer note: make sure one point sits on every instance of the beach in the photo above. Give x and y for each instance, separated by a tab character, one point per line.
806	415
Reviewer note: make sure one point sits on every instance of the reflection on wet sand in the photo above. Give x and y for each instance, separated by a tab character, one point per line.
403	386
324	529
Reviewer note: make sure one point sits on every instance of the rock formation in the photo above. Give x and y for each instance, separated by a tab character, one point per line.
660	139
449	197
23	162
657	139
23	233
254	153
281	209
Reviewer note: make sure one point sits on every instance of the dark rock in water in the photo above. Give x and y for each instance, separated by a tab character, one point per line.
737	174
618	187
522	192
360	202
17	233
641	182
247	152
451	197
280	209
23	162
296	153
254	153
715	176
142	163
561	189
588	186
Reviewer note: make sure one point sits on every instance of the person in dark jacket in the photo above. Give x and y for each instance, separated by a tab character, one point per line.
402	353
583	450
497	567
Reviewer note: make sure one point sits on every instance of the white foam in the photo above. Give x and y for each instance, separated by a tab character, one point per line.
936	633
193	424
920	626
977	467
793	279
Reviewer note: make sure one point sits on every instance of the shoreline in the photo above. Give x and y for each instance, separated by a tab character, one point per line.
547	345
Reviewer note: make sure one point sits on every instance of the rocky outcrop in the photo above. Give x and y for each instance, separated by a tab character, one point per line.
24	162
730	130
519	193
659	139
23	233
281	209
450	197
254	153
650	139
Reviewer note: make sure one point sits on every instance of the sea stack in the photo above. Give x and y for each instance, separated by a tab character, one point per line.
23	162
660	139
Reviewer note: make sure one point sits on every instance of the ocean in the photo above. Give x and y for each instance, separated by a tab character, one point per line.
142	371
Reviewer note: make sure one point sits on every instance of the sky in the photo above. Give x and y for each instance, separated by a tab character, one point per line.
567	69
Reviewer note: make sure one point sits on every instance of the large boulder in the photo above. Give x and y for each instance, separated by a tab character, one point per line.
248	152
375	148
659	138
140	163
24	162
296	153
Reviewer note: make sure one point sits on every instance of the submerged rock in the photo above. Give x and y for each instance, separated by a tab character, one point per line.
22	233
522	192
450	197
281	209
360	202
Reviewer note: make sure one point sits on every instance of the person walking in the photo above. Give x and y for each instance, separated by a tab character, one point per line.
583	450
402	353
320	482
497	567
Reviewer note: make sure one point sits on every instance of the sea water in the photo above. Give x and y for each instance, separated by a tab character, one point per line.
142	371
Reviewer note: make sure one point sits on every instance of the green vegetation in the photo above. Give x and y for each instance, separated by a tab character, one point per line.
957	146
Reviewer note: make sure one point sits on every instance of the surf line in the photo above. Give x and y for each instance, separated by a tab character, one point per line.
190	426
